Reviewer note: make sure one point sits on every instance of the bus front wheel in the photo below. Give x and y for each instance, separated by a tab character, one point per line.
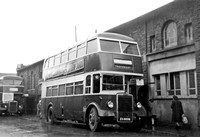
50	115
94	120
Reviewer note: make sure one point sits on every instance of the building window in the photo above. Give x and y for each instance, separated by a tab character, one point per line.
157	85
152	43
32	80
189	33
40	73
170	35
174	84
191	84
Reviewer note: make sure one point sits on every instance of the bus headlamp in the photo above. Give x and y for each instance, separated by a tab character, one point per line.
110	104
139	105
20	106
5	106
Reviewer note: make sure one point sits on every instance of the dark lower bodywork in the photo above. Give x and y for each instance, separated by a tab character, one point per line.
77	108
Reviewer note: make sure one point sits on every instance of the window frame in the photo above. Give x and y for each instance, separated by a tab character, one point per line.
69	85
90	50
88	84
64	54
51	61
57	60
152	43
172	84
72	53
81	50
188	83
157	85
59	90
77	85
170	27
189	37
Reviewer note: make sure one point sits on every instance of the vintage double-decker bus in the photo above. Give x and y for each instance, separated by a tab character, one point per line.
11	95
95	83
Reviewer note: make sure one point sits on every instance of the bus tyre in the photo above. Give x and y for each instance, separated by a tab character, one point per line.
94	120
50	115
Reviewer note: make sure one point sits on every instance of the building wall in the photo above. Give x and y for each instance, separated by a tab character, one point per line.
32	75
162	61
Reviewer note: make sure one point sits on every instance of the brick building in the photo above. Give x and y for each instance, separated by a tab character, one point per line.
32	75
169	40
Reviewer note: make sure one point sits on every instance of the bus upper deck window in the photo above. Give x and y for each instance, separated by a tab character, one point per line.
57	59
72	53
46	63
111	46
51	61
130	48
64	57
92	46
18	82
81	50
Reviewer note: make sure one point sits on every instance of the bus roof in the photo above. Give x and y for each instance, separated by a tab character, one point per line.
106	35
11	77
115	36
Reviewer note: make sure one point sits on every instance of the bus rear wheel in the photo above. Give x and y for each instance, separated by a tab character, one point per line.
50	115
94	120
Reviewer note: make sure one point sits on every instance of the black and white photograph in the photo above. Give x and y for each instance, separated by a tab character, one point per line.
93	68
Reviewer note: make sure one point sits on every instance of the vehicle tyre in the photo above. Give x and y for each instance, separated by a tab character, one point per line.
50	116
94	120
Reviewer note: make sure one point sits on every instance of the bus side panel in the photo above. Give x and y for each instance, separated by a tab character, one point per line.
78	107
137	62
68	108
59	105
107	63
101	101
92	63
50	102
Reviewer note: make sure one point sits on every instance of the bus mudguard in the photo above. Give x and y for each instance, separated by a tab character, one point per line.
140	112
101	112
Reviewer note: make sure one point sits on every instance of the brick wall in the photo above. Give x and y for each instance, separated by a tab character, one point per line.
197	45
32	74
152	23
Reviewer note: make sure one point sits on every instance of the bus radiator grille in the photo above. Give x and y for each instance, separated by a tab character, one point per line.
124	113
13	107
125	103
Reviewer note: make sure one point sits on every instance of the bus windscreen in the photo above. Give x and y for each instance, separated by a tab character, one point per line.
12	82
129	48
111	46
111	82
